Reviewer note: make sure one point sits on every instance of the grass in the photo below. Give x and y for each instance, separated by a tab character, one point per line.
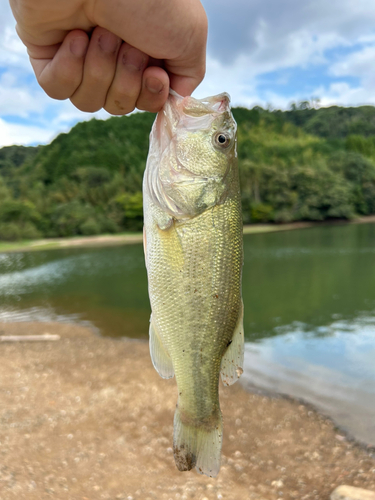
16	245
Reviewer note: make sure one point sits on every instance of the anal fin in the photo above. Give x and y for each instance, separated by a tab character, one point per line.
232	360
159	356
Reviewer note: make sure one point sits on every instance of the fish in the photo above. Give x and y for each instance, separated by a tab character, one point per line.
194	256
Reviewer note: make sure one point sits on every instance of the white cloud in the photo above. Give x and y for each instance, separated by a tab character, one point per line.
233	79
273	32
12	51
343	94
359	63
69	114
19	98
11	133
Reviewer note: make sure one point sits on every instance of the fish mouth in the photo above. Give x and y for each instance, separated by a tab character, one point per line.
188	113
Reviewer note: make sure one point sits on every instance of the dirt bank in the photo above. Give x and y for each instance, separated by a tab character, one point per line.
88	418
129	239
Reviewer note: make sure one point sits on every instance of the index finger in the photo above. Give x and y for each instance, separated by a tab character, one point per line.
186	84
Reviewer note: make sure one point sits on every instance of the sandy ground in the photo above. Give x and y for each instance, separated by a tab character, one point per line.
88	418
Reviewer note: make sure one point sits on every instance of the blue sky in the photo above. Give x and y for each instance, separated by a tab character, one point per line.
262	52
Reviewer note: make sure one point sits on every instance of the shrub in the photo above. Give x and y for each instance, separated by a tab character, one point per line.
30	232
261	212
10	232
90	227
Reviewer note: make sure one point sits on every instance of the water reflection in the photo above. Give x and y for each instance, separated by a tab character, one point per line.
335	371
105	286
309	276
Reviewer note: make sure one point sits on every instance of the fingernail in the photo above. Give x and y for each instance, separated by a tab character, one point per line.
108	42
154	85
78	46
134	60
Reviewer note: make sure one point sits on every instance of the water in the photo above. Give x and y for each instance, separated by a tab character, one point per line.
309	300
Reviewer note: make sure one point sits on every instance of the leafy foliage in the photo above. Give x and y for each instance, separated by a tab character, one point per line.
301	164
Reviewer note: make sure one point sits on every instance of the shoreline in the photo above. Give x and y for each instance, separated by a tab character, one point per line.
136	238
88	417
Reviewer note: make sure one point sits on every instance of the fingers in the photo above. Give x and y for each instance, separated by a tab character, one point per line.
174	31
155	89
134	85
127	83
59	68
98	72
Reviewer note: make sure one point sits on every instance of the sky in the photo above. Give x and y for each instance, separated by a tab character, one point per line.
262	52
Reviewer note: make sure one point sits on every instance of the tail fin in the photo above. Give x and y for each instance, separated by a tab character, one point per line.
197	447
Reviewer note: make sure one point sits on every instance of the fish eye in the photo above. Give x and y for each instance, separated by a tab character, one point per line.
222	140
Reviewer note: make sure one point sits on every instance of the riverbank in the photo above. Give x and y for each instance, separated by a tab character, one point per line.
77	241
132	238
87	417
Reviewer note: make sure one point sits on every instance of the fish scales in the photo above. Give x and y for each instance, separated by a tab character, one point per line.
194	265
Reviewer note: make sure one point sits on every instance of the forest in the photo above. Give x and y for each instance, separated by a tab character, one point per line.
304	164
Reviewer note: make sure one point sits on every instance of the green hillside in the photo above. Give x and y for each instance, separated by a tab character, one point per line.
301	164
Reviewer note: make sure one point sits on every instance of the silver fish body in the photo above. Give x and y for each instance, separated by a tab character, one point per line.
193	250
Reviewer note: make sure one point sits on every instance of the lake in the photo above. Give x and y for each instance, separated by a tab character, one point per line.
309	299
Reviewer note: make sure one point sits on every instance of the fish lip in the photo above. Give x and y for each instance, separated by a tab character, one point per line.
178	108
214	104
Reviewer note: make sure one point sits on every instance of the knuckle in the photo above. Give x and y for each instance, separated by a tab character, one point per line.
98	75
57	85
118	108
87	107
98	31
58	96
54	92
120	102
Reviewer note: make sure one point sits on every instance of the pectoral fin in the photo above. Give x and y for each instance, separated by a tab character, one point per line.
232	361
163	220
159	356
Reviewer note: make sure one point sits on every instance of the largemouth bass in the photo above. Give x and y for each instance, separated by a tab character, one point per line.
193	250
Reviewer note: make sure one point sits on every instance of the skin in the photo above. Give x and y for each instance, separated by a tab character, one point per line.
114	54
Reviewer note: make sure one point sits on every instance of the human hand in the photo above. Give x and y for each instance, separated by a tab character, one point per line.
135	52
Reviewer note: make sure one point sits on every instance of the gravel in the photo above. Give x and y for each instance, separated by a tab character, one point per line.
88	418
